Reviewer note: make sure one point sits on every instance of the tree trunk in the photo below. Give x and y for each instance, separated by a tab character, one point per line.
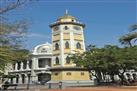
130	44
112	77
123	79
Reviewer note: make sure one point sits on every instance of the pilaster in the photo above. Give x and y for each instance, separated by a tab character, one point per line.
62	49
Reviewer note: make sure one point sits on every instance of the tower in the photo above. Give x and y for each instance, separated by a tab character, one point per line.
67	38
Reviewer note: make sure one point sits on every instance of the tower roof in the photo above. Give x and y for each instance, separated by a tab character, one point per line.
66	19
66	16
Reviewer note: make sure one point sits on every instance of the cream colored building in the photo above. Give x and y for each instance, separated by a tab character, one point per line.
67	39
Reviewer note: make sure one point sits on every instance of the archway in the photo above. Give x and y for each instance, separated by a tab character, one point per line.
44	77
23	78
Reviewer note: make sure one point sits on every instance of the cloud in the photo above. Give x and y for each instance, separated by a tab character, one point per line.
37	35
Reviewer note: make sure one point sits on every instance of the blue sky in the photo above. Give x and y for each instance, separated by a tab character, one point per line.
106	20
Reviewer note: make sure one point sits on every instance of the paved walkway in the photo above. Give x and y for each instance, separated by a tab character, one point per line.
96	89
105	88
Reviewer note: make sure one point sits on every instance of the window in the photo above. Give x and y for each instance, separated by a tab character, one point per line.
23	78
68	73
67	60
56	46
24	64
13	66
66	28
19	65
29	76
67	45
82	73
43	50
30	64
17	78
78	45
56	74
57	60
77	28
42	62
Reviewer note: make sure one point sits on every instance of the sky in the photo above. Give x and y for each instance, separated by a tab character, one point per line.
105	20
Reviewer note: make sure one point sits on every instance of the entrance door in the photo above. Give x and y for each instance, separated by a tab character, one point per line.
44	77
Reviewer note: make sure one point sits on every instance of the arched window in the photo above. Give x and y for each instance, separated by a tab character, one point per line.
19	65
17	78
24	64
23	78
57	60
13	66
30	64
78	45
66	28
56	46
67	45
72	20
67	60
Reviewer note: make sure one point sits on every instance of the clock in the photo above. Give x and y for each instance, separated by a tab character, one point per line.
76	27
56	28
66	27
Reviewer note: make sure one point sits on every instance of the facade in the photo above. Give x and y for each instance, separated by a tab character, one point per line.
34	70
67	39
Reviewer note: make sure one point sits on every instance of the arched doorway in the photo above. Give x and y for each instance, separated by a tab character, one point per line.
11	80
17	79
23	78
44	77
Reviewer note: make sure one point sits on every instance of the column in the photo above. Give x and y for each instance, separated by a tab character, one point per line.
20	79
72	44
14	80
34	66
21	66
26	78
27	65
131	75
35	63
62	49
16	66
83	41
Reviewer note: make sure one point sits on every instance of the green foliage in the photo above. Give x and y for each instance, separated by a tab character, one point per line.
110	60
126	39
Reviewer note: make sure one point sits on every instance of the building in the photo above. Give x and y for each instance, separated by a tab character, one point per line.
67	39
34	70
51	61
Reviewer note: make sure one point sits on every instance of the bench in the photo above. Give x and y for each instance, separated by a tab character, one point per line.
6	86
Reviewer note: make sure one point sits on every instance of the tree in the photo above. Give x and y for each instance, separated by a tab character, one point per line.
11	5
126	39
109	60
11	35
133	27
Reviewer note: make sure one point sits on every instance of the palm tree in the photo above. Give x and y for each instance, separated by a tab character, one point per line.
133	27
126	39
